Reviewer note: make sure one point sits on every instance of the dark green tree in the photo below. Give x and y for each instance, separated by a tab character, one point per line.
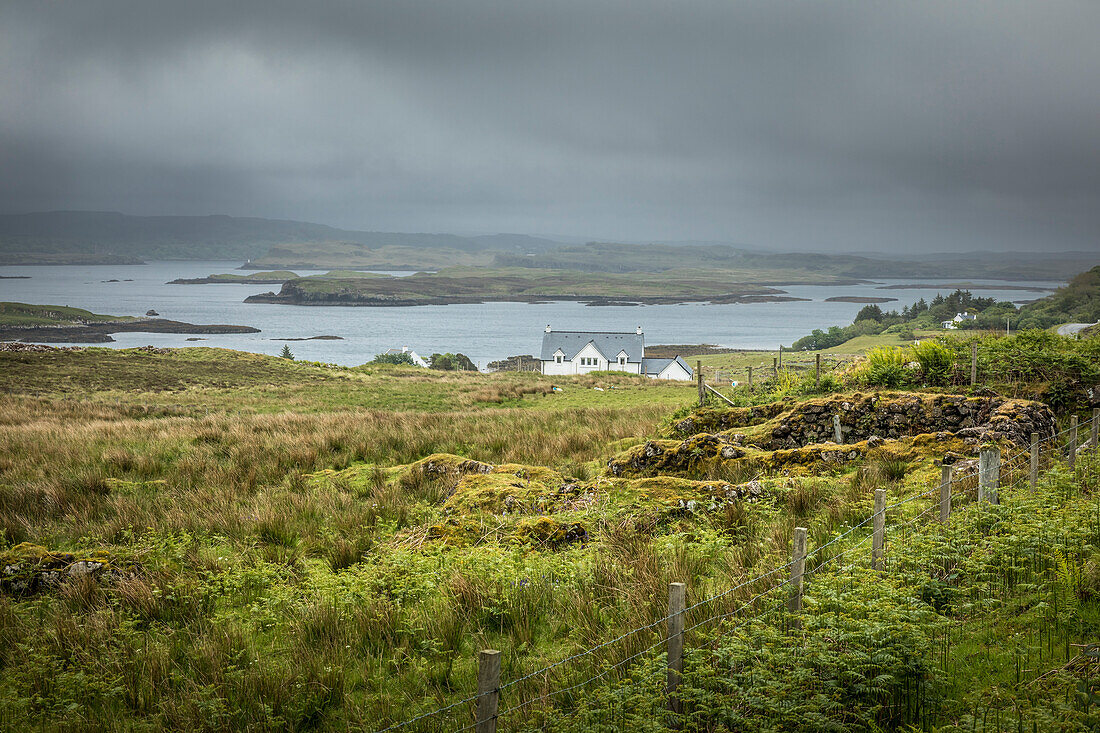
452	362
402	358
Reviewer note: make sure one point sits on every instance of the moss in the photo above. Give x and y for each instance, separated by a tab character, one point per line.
550	533
123	487
440	463
511	488
27	567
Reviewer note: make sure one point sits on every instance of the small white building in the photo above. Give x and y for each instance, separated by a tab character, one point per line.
676	369
580	352
959	318
412	354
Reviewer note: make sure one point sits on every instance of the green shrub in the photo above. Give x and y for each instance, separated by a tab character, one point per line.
885	367
452	363
935	361
402	358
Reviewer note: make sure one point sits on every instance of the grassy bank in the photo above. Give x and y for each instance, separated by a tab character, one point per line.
26	314
295	545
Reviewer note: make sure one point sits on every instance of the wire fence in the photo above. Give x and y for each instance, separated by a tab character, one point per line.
1014	471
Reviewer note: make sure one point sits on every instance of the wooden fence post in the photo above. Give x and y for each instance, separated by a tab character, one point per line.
1033	472
699	380
775	366
780	356
945	492
973	363
817	371
989	475
1095	433
488	690
1072	458
750	379
798	569
676	596
878	539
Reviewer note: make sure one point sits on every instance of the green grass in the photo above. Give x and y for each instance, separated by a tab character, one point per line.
200	379
735	365
271	275
459	284
302	561
25	314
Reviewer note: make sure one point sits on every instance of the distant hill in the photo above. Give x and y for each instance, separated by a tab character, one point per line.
78	237
60	236
617	257
1077	302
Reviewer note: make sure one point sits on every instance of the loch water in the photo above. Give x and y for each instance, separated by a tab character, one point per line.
484	332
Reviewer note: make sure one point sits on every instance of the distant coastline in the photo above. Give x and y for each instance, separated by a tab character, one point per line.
100	332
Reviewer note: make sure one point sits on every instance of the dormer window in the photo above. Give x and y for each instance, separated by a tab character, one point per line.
557	359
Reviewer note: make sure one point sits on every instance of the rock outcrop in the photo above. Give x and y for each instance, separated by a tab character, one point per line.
28	568
801	436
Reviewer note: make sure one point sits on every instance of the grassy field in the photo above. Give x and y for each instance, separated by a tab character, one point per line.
734	366
305	546
25	314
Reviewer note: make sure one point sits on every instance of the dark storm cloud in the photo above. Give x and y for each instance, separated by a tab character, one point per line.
784	124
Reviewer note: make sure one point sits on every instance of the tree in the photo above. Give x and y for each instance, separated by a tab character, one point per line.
869	313
452	362
402	358
287	353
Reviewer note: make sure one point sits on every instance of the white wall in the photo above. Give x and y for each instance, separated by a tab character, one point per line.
589	351
674	372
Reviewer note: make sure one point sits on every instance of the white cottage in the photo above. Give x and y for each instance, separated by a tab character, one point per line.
959	318
579	352
417	359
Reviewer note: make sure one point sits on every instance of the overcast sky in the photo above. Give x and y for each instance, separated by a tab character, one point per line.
788	125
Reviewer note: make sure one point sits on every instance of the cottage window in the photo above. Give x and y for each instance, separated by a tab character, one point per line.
557	359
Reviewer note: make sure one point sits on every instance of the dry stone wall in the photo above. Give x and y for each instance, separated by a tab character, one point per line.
800	437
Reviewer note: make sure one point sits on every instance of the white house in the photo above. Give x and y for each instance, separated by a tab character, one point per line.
415	356
959	318
579	352
675	368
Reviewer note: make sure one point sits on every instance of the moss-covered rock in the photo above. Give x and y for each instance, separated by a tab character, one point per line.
786	425
28	568
550	533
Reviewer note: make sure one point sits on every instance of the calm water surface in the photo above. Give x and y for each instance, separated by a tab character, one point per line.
483	332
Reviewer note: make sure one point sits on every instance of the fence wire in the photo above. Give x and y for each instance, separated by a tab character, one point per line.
909	525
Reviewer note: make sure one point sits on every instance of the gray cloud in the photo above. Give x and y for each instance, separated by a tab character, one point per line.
842	125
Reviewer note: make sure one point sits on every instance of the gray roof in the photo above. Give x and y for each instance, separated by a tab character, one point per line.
608	344
656	366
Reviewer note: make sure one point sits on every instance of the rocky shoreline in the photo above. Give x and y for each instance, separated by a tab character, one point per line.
100	331
213	280
858	299
291	295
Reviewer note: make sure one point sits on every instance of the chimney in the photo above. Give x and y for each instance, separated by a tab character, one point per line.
547	328
404	349
639	330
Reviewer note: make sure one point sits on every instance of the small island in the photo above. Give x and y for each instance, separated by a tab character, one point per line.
964	286
62	324
276	277
525	285
325	337
858	299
